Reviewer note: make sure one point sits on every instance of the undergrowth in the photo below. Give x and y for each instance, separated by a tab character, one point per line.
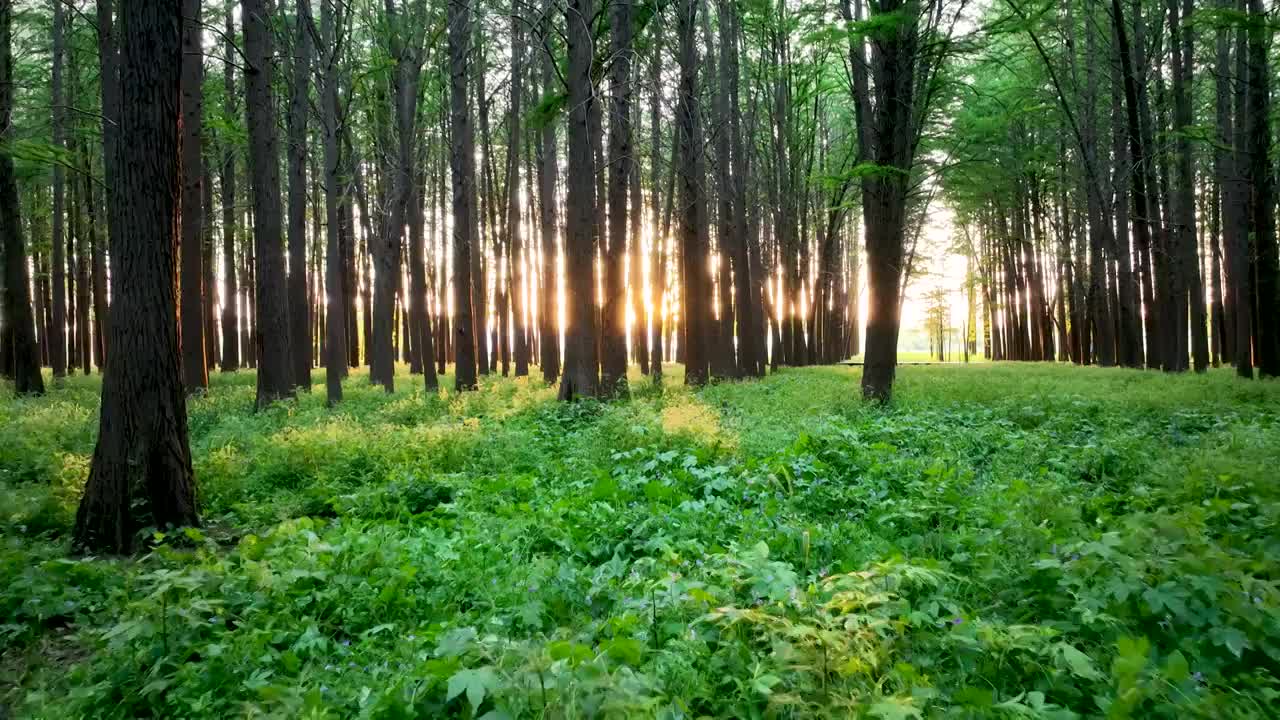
1005	541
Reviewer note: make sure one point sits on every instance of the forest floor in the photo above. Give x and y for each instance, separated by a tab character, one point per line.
1005	540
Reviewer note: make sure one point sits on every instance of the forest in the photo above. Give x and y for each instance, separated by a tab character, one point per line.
897	359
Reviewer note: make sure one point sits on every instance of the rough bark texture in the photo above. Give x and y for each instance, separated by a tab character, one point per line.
335	345
696	299
195	371
141	472
18	336
613	361
581	366
548	173
299	111
271	301
463	167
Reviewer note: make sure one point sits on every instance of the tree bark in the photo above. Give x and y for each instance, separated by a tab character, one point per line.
613	362
142	449
271	337
696	298
227	182
299	112
581	365
463	167
195	372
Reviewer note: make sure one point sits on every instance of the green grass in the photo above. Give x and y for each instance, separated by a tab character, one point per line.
1005	541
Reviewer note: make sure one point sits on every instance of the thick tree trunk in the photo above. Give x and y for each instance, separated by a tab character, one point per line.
515	232
613	361
696	296
463	167
299	112
195	372
548	172
335	333
271	337
1266	257
581	364
142	449
18	338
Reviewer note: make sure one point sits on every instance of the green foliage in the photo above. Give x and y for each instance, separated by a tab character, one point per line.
1029	541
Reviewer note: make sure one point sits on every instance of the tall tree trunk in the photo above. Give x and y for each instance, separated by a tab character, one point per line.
108	71
696	297
463	167
58	339
227	182
18	337
271	309
581	362
195	372
335	350
142	449
515	243
658	260
613	361
548	172
1266	256
299	111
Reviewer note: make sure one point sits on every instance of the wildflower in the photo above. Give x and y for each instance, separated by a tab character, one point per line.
956	621
346	643
1197	676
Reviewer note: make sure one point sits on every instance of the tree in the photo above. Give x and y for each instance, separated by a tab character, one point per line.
695	298
271	340
141	472
299	324
17	338
462	166
195	370
227	184
581	361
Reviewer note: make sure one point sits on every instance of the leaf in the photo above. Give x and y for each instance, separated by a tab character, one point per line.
896	708
475	682
1176	669
1081	665
624	650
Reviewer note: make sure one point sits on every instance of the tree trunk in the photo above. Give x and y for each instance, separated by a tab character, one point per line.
18	338
142	450
613	361
581	365
299	112
463	167
1266	256
548	172
335	333
227	181
271	307
58	339
695	302
195	372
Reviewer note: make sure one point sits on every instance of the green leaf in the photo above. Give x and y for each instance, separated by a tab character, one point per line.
1081	665
475	682
896	708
